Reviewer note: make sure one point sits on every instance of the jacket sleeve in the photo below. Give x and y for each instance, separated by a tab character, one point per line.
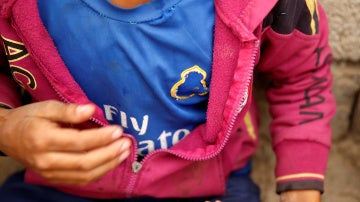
9	90
296	55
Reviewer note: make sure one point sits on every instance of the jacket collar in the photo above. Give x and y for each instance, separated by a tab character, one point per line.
244	16
5	7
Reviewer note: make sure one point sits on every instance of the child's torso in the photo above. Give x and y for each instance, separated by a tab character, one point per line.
148	67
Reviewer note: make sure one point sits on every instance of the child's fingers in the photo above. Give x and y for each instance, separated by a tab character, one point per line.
82	161
61	112
78	177
69	139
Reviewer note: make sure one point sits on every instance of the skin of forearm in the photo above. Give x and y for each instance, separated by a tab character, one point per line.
300	196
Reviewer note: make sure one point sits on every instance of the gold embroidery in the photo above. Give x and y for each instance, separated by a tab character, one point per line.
30	77
184	76
15	51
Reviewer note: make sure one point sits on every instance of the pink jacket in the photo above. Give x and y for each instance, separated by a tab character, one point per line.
249	34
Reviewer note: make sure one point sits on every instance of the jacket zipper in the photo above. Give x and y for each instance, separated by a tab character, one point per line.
137	165
93	119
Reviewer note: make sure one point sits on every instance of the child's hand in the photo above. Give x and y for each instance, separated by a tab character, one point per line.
35	135
300	196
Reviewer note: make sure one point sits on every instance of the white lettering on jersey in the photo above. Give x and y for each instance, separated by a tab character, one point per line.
111	111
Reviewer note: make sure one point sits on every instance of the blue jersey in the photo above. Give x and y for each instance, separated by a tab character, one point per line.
147	67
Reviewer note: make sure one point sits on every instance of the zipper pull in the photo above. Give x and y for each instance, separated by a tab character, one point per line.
136	167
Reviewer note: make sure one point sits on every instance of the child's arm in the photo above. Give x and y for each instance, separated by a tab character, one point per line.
297	196
300	196
296	56
40	136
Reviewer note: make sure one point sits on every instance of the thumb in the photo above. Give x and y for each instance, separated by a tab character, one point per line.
65	113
